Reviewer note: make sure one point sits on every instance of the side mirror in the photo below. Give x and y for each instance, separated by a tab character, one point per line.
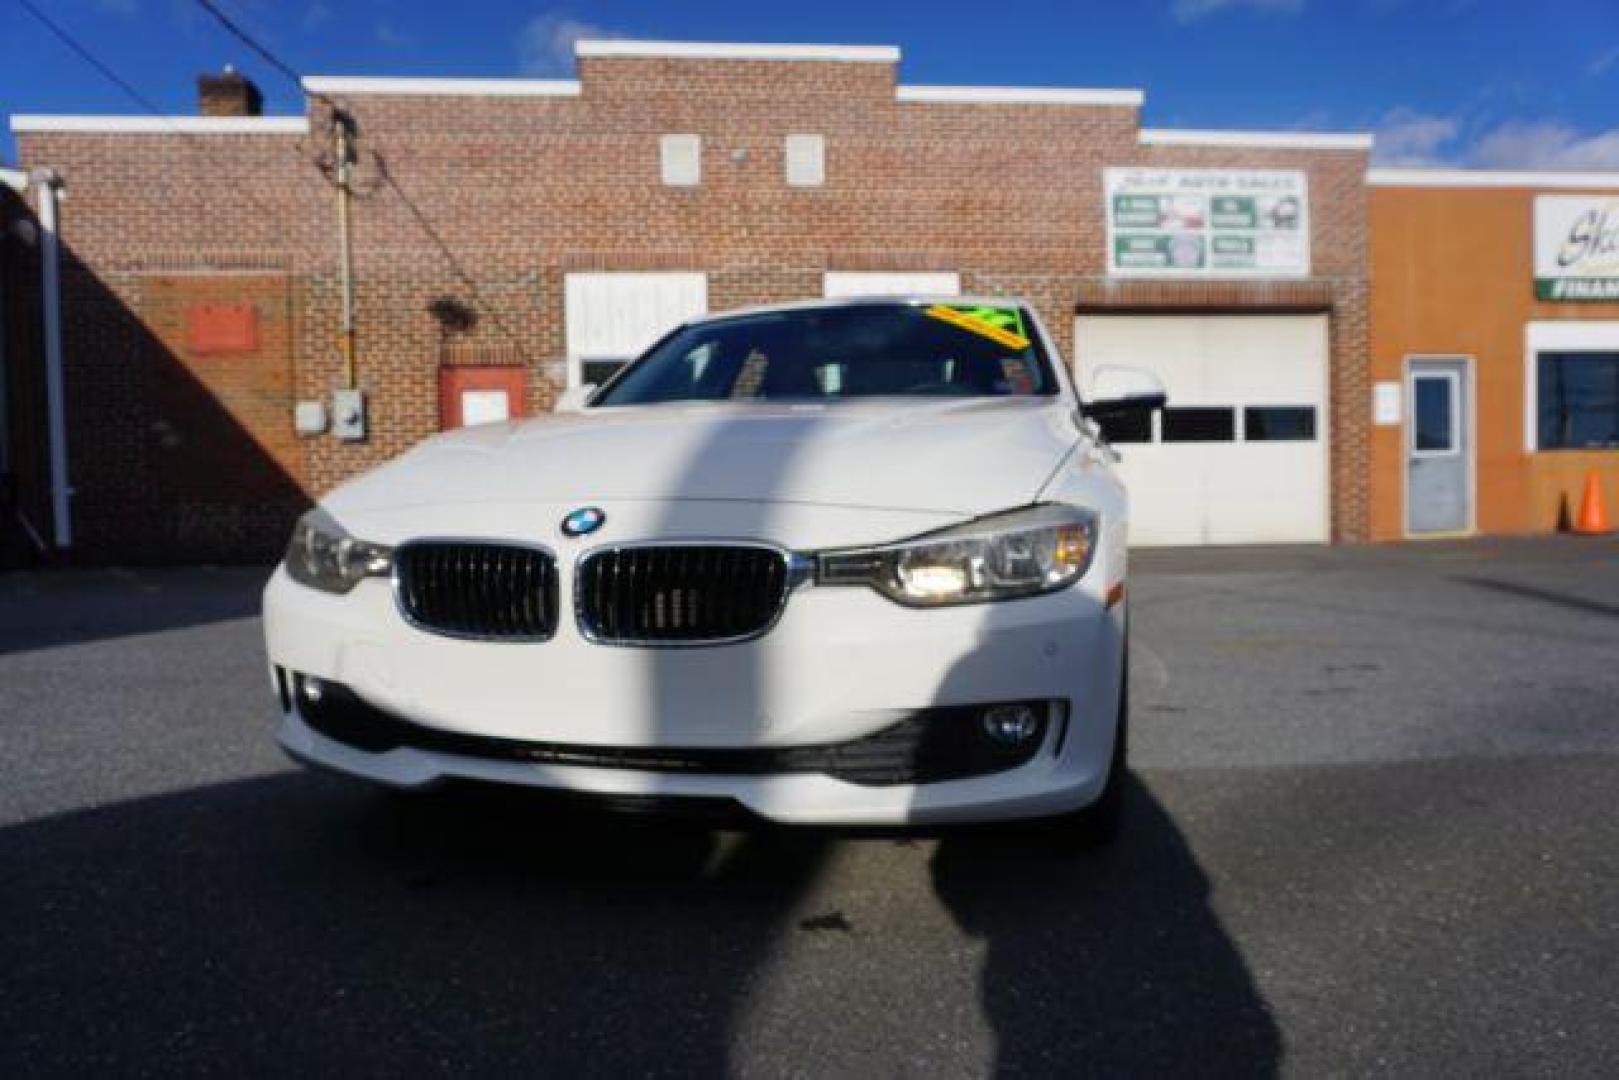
1116	391
574	398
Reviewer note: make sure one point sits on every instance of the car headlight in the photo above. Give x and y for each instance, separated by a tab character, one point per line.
1022	553
324	556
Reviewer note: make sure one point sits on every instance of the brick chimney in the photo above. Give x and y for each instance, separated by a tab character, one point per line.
228	94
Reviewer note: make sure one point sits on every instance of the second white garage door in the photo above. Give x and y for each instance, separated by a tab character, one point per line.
1240	455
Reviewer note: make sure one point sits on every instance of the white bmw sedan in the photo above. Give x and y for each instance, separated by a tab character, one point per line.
851	562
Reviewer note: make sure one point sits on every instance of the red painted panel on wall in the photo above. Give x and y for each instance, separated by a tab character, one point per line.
222	328
457	386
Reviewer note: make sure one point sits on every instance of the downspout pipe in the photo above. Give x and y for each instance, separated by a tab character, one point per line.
49	186
17	181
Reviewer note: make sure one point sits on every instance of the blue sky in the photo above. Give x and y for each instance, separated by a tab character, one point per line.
1492	83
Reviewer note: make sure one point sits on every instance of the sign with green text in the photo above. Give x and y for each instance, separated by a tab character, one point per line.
1207	223
1577	248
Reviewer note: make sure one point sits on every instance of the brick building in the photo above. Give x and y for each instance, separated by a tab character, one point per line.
510	237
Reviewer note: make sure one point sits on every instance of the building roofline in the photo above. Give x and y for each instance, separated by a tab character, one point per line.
15	179
162	125
436	87
1271	140
1488	178
729	50
1019	95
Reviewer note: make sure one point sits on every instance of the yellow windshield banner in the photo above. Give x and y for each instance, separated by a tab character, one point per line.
1001	325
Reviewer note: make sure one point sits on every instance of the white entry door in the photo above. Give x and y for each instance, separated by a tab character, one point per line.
612	317
1240	454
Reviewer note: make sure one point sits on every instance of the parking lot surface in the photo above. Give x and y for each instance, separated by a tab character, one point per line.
1372	828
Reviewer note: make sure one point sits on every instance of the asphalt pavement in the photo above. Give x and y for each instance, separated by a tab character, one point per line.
1372	828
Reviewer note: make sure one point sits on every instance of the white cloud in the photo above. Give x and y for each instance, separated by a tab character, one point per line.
1185	11
1545	144
1408	137
545	44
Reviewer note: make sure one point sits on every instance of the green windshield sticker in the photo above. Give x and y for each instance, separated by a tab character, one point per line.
1002	325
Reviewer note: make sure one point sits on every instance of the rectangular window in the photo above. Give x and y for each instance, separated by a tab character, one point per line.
1577	394
681	160
1131	427
1201	424
597	372
806	160
1278	423
1433	413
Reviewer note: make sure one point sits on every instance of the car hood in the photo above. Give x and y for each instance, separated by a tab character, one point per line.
960	457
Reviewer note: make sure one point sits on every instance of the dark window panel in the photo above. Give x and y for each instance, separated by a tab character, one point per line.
598	371
1435	427
1278	423
1131	427
1202	424
1578	400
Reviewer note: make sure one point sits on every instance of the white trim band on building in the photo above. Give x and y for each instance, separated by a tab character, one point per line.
433	87
724	50
15	179
164	125
1267	140
1019	95
1481	178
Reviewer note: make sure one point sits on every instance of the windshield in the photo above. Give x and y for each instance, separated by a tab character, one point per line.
827	354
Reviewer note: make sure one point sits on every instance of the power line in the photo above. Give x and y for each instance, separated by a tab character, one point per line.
90	58
82	51
416	213
247	39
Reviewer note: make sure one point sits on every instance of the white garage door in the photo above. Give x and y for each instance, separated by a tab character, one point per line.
844	283
1240	455
613	317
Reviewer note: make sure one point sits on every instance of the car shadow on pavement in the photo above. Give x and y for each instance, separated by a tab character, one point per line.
1105	962
300	924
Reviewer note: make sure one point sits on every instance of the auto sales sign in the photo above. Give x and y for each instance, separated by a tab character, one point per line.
1577	248
1207	222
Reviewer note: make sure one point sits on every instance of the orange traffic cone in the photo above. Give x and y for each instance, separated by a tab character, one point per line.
1593	519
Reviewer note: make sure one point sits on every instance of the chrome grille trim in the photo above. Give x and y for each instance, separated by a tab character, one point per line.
613	612
477	589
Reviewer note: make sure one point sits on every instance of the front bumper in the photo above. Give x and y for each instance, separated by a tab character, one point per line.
840	665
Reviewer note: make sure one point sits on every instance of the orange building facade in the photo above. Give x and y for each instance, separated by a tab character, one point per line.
1494	347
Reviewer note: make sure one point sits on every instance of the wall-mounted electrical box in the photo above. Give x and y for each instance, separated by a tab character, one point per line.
309	417
348	415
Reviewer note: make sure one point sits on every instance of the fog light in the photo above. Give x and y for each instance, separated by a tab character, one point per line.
313	689
1010	725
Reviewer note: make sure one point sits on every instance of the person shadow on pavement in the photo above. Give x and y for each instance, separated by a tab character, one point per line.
296	924
1109	961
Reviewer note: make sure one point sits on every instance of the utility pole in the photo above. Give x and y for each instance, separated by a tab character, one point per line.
343	131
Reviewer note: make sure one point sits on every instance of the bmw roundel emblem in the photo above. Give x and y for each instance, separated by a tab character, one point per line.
584	521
